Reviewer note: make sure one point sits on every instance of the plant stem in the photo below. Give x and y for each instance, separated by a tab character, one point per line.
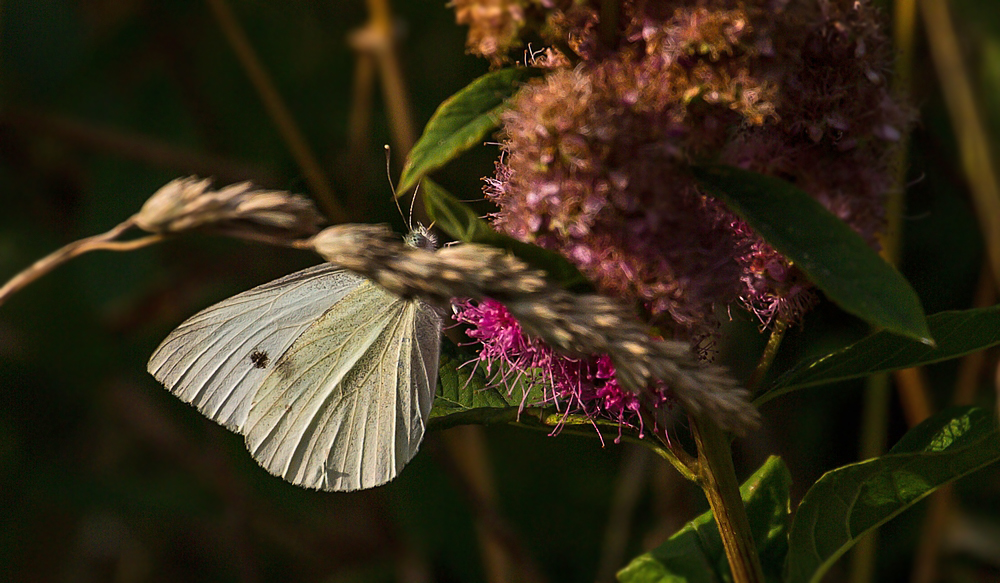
278	111
504	556
104	241
770	351
874	424
394	92
544	419
877	389
717	478
967	119
682	461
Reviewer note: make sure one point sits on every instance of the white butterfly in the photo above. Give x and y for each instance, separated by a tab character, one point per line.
329	377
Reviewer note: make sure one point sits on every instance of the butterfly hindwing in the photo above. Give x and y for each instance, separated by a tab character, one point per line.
346	406
218	358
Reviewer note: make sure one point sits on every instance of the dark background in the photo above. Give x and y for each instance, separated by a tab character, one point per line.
104	476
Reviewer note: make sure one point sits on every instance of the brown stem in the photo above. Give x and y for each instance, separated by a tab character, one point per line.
671	451
132	146
104	242
505	558
375	43
973	142
972	368
393	88
629	486
717	478
877	390
359	118
874	423
467	446
276	108
770	351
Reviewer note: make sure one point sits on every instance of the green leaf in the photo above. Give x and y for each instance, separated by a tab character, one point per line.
695	554
462	121
958	333
850	501
835	258
465	395
462	223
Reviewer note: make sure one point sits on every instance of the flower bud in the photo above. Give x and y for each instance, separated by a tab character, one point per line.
189	203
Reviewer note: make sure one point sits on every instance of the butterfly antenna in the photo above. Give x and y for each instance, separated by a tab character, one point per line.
413	200
388	174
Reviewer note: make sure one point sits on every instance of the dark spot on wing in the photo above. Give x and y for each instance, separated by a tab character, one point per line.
260	359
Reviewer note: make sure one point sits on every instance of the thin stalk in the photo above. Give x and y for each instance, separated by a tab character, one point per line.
717	478
133	146
874	425
629	486
878	388
106	242
102	242
977	163
318	182
971	369
375	44
973	142
503	555
915	394
397	99
682	461
770	351
359	118
941	506
903	31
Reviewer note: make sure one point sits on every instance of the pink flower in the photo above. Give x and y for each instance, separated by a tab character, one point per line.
587	387
597	154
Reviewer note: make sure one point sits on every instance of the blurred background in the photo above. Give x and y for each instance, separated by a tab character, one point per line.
104	476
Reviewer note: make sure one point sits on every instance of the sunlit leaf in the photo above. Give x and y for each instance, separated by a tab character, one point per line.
957	333
464	396
462	121
850	501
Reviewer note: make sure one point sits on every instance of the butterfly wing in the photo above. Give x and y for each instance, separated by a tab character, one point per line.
346	406
217	359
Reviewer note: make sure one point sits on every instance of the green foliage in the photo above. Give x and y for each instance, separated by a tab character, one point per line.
852	500
462	121
464	394
695	554
958	333
835	258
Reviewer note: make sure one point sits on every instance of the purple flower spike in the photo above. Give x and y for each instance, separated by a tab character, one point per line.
586	387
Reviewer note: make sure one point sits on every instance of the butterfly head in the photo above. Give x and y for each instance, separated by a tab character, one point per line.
420	237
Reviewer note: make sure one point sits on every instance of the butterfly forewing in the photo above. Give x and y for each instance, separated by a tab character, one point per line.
345	407
218	358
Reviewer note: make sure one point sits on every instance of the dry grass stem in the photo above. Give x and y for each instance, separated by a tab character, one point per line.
574	324
239	210
102	242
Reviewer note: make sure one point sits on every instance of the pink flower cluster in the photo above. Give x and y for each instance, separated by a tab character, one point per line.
596	155
571	385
